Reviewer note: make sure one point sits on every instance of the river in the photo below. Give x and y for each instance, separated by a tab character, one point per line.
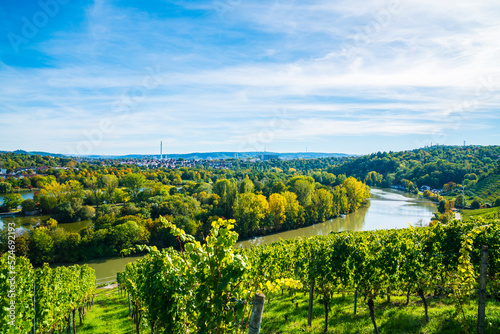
24	194
386	209
26	222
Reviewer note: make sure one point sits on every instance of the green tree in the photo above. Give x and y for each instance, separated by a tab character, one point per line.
28	205
12	201
25	182
322	204
476	204
459	200
134	181
374	179
51	195
293	210
64	212
5	187
250	211
441	206
341	201
50	223
278	187
119	196
86	213
127	234
94	185
246	186
357	193
41	247
71	247
226	190
109	182
277	209
303	187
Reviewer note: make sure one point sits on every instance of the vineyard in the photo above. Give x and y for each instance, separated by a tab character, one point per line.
44	300
208	288
487	189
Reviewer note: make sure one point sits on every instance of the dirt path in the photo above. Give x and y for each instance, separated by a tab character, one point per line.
111	286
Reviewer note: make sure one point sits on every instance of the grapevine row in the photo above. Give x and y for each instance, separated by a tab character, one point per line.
42	299
207	288
378	263
201	289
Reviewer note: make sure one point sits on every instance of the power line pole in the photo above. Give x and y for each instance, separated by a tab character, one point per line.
463	196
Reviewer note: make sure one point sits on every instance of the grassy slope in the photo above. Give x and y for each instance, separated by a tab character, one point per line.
489	188
288	314
282	316
109	314
491	213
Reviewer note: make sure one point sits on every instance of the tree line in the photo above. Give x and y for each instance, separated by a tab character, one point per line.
128	215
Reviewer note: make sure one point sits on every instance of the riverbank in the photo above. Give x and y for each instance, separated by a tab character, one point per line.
10	214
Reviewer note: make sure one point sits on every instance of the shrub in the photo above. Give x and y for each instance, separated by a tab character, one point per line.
28	205
475	204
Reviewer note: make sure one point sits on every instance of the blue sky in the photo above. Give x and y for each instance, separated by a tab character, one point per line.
354	76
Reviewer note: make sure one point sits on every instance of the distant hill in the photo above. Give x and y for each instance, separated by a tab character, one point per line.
43	154
431	166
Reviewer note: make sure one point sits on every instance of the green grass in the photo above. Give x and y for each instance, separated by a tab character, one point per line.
491	213
288	314
109	315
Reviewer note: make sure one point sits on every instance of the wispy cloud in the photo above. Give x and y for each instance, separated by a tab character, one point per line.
341	69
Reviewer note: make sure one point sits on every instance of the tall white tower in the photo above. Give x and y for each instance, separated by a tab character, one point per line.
161	150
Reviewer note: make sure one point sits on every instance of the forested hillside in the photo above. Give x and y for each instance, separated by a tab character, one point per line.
433	166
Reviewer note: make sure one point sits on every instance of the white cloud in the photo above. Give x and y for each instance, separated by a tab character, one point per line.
340	69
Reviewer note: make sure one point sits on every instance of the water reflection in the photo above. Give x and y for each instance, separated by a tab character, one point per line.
24	194
27	222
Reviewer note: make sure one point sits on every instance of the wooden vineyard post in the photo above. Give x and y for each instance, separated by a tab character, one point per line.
481	311
129	308
311	295
355	300
256	317
372	313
